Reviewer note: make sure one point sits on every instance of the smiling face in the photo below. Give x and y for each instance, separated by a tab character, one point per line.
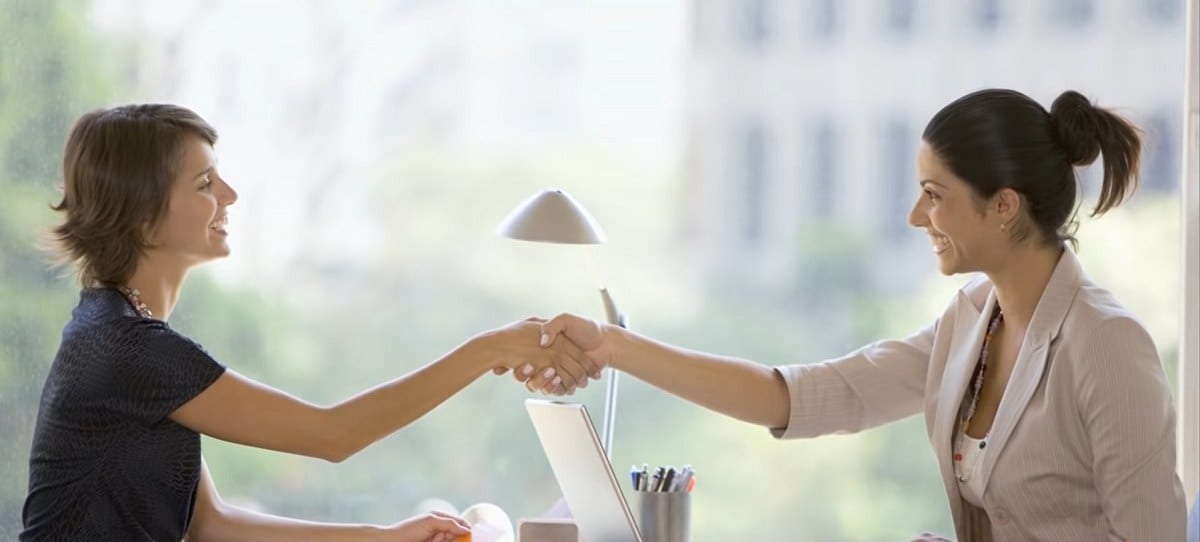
966	231
193	229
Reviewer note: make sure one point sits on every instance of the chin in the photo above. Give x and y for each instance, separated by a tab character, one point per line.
946	266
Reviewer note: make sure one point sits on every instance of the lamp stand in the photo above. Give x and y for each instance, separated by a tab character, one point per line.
617	318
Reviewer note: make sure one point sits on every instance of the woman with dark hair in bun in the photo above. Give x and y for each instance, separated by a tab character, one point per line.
1044	399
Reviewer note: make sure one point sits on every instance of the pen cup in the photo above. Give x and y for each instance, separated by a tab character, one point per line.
665	516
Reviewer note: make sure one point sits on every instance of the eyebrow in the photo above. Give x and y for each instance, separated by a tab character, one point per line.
929	181
206	171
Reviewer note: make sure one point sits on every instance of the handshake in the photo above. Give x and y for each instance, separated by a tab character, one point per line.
553	356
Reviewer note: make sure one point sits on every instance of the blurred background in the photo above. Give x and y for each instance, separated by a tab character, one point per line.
753	162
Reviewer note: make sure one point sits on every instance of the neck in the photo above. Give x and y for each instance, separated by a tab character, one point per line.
1020	280
158	285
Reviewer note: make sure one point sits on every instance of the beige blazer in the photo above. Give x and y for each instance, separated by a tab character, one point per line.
1083	443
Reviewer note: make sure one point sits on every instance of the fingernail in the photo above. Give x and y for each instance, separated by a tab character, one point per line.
549	372
527	370
557	380
545	339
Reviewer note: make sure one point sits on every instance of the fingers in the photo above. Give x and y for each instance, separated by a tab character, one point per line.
552	328
543	380
569	364
523	373
444	524
583	362
457	520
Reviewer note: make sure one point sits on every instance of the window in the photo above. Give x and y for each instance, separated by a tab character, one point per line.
754	22
823	149
822	18
1164	11
900	16
897	163
753	151
376	150
1072	13
1160	158
699	19
986	15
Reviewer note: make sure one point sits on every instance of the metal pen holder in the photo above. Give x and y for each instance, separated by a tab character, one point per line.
665	516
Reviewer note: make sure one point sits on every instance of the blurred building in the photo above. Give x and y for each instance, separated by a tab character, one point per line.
804	116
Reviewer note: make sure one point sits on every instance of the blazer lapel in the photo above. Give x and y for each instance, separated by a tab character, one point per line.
969	329
1031	359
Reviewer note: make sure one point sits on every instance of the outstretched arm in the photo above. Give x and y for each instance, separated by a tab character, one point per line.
743	389
237	409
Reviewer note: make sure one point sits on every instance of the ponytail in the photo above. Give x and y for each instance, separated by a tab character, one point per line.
1085	132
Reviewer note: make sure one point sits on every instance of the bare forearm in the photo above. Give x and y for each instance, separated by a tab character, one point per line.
384	409
739	388
233	524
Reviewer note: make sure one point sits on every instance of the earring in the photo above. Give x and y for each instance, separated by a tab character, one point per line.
1003	226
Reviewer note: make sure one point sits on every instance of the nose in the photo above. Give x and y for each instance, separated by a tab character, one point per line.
917	216
227	195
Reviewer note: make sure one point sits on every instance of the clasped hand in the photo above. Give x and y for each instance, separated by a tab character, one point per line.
554	356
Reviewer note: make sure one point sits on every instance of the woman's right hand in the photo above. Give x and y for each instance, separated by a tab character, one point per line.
430	527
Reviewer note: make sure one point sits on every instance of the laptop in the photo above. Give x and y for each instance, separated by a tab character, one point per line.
583	472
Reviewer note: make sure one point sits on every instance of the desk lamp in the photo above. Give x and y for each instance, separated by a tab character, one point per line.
553	216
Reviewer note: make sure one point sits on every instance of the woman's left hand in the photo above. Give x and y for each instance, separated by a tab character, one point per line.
430	527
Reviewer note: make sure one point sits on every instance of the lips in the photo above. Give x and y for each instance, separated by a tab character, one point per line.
219	224
940	243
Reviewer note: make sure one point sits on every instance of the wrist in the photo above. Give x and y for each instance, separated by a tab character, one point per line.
472	356
618	340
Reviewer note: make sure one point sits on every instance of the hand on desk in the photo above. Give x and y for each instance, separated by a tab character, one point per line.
579	335
430	527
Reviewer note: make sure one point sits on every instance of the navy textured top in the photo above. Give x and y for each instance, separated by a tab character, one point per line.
107	463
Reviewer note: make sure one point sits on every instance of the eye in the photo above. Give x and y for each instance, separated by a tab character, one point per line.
205	183
929	194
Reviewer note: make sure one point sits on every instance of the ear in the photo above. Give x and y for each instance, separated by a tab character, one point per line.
1007	205
149	232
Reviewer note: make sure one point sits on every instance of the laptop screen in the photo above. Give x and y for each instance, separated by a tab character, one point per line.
583	472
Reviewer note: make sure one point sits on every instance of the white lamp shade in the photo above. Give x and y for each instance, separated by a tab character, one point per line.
552	216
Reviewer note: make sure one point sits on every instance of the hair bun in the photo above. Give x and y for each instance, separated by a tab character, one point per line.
1077	126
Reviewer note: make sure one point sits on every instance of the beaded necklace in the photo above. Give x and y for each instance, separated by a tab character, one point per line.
135	298
977	389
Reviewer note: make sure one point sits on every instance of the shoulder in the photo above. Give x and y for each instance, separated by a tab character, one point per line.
1101	340
1095	314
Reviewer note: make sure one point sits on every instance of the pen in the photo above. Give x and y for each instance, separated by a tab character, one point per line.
633	476
644	481
683	481
656	480
668	480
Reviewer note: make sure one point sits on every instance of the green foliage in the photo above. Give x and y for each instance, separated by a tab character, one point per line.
47	75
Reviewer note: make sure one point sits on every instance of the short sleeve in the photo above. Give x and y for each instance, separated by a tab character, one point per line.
154	370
